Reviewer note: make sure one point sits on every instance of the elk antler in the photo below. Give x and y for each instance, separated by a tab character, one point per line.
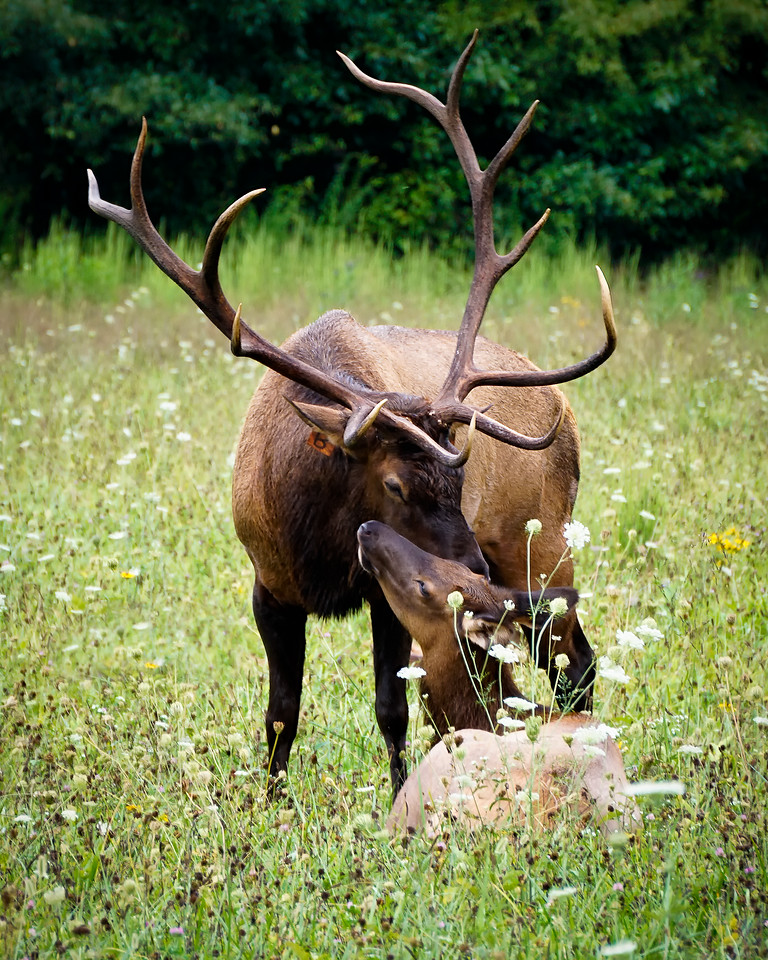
490	266
203	288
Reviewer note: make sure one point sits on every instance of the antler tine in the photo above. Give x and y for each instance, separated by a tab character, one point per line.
204	288
538	378
209	270
499	162
461	413
490	266
454	87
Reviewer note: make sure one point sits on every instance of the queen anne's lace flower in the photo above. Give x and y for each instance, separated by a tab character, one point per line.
558	606
519	703
512	723
626	638
596	734
648	629
609	670
411	673
505	654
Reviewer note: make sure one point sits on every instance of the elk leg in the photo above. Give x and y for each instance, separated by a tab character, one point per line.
573	687
576	694
282	629
391	649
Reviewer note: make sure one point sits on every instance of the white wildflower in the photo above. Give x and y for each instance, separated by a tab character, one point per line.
558	606
411	673
519	703
533	527
509	605
651	788
625	638
455	600
512	723
576	535
557	893
55	896
691	749
119	535
526	796
70	815
619	949
761	721
183	437
647	515
609	670
63	596
649	629
562	661
505	654
595	734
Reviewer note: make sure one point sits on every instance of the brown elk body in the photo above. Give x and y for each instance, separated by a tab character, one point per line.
368	432
464	686
506	781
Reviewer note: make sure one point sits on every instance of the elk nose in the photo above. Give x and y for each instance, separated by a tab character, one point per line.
478	564
367	530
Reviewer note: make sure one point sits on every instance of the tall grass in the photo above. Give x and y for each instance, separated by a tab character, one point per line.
133	819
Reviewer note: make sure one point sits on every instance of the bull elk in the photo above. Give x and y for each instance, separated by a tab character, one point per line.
354	423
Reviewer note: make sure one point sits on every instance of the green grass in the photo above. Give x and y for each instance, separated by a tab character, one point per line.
133	820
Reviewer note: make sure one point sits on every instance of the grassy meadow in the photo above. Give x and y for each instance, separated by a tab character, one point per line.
133	820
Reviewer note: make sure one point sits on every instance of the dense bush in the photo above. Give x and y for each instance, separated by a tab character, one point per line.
653	129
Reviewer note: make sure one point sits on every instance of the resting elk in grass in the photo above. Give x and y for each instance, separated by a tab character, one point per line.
473	775
480	778
354	423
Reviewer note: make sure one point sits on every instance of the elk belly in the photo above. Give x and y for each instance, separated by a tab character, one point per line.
505	781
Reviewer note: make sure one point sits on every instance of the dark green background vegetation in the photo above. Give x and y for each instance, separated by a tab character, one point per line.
652	134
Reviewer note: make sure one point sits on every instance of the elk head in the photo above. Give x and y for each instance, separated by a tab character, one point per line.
417	586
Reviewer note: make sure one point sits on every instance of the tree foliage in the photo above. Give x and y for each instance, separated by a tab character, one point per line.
652	132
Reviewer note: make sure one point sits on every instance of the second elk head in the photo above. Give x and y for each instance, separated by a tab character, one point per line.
355	423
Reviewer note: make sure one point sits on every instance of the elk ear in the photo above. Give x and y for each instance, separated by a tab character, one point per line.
525	604
331	421
482	628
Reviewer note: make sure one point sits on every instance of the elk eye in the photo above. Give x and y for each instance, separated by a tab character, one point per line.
394	489
423	588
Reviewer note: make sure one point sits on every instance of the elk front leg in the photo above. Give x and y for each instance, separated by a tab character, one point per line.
283	633
391	650
573	685
579	676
